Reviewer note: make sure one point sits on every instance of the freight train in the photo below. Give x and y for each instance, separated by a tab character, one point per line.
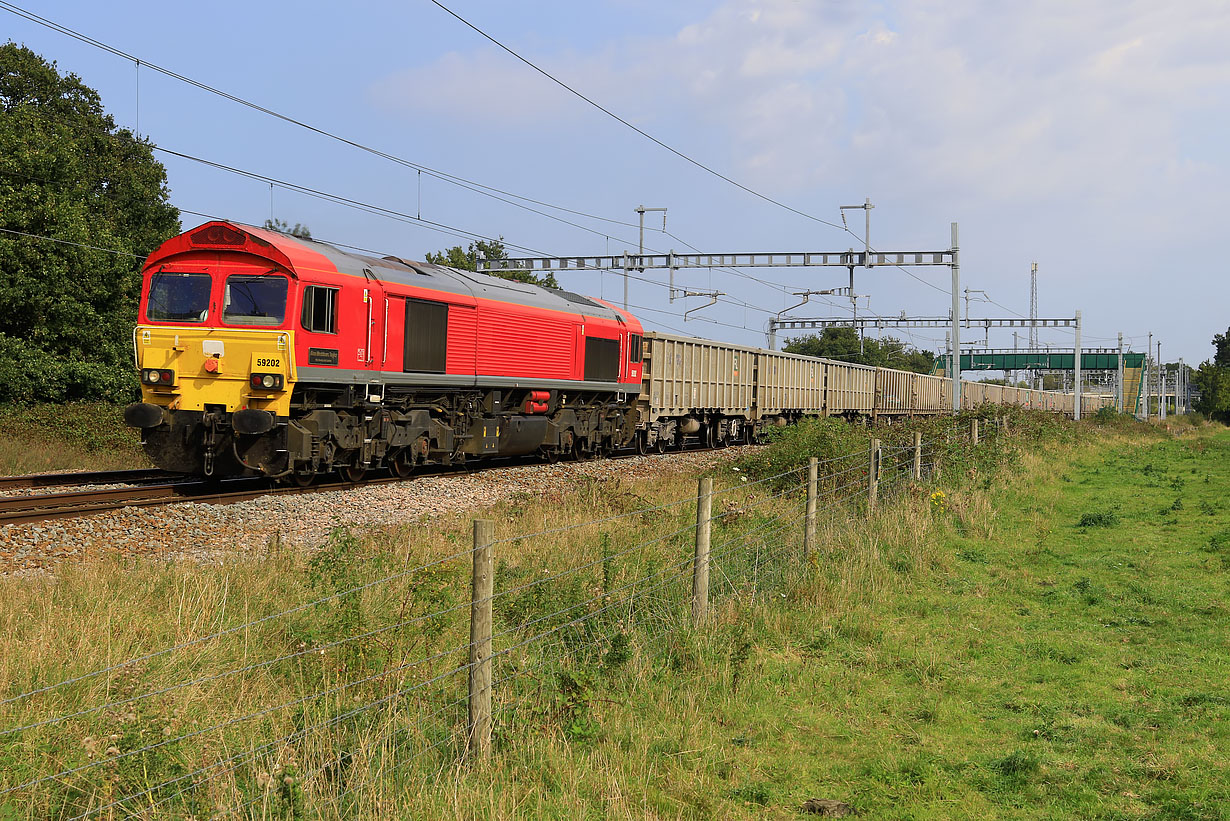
264	354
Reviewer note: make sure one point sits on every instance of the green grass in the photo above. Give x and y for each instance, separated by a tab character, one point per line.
1065	655
1050	642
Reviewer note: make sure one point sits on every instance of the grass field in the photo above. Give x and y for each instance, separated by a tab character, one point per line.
1058	648
1047	639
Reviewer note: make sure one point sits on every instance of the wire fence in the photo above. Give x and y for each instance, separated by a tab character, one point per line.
361	708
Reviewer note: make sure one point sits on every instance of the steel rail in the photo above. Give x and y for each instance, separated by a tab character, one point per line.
91	477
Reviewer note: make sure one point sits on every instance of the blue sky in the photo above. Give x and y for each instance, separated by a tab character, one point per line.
1090	137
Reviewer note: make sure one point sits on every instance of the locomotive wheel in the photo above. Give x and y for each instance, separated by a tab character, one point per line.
568	446
660	445
352	473
403	465
642	443
303	478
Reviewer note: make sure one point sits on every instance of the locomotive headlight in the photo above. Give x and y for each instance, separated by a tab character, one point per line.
266	381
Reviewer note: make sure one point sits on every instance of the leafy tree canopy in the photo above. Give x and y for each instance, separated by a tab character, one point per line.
842	343
82	202
1221	346
299	231
1213	381
467	260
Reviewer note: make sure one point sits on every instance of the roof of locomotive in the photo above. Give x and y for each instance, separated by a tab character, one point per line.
299	255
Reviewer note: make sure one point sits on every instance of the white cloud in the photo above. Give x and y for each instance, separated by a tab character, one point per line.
1002	101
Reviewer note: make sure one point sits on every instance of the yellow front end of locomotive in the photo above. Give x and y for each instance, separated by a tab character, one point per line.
190	369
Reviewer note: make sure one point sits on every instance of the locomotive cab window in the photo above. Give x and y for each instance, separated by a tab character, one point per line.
178	297
634	348
320	309
254	300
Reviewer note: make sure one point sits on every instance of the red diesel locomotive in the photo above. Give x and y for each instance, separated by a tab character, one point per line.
261	353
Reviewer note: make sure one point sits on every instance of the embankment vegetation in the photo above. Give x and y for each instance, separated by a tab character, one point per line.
1039	633
40	437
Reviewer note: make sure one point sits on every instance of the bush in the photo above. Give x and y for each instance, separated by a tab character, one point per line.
30	374
790	447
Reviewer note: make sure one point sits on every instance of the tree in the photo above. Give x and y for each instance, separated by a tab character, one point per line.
299	231
467	260
82	202
842	343
1221	346
1212	380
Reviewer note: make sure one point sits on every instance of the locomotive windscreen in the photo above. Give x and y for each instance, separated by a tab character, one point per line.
601	359
254	300
178	297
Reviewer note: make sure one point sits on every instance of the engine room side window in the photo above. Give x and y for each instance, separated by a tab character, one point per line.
601	359
254	300
178	297
320	309
634	348
426	337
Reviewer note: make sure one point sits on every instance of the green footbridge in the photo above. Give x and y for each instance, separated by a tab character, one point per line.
1098	359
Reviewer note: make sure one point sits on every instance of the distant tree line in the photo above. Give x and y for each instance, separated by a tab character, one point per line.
843	344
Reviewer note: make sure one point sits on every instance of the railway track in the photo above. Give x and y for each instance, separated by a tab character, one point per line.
41	507
149	488
93	477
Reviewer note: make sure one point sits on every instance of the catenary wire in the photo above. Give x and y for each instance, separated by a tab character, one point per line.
444	176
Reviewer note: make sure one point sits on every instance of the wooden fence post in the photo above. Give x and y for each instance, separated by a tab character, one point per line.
700	564
809	525
973	432
917	455
873	475
482	587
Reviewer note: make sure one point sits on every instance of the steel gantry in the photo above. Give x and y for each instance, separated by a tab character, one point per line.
672	262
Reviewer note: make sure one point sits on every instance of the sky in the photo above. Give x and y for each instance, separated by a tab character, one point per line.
1088	137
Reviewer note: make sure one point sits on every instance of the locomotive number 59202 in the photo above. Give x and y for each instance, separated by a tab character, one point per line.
268	362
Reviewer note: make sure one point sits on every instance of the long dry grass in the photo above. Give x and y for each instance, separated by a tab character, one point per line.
608	702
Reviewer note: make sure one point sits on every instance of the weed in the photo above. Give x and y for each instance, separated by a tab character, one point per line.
573	708
758	794
1219	542
619	652
973	553
740	653
1098	518
1018	765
